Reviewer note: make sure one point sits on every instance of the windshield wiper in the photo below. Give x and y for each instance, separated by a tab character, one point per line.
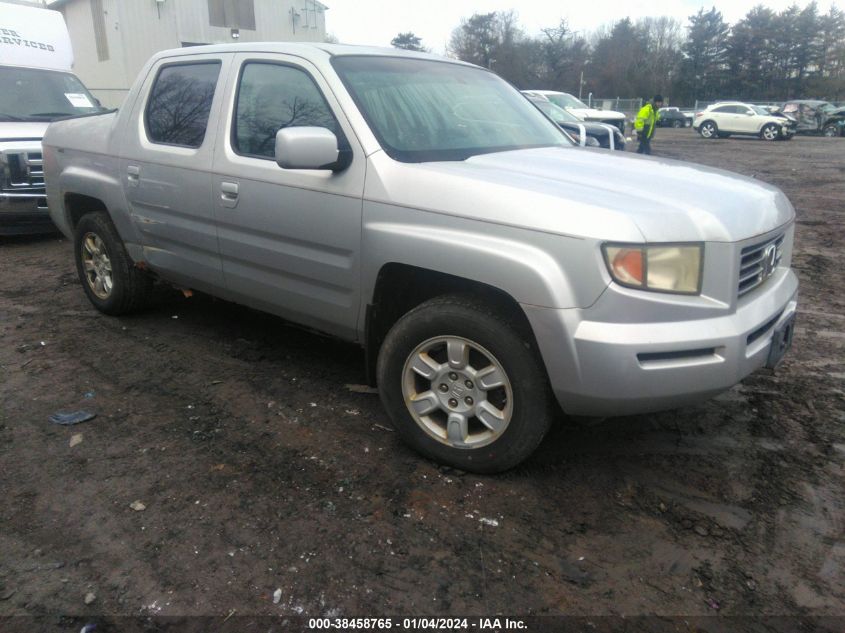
11	117
53	114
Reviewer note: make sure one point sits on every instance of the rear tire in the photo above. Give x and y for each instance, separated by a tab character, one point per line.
677	124
109	277
830	131
433	403
708	130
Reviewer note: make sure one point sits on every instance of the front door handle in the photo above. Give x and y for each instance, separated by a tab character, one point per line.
133	175
229	194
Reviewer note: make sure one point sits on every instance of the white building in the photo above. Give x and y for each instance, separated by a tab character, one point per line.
113	39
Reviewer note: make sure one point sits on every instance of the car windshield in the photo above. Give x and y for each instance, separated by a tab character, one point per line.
42	95
761	110
558	114
425	110
566	101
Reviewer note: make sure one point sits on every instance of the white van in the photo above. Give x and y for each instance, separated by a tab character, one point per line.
37	87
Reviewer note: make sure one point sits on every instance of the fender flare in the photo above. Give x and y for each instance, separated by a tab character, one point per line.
526	272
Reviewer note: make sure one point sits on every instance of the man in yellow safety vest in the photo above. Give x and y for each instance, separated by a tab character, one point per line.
645	123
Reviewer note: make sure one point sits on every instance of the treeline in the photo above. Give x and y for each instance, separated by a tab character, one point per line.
765	56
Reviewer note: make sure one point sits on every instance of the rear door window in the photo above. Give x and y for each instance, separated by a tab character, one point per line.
180	103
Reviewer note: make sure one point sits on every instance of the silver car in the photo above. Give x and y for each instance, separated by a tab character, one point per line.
493	273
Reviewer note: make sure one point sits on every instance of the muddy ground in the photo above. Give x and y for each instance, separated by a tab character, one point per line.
260	469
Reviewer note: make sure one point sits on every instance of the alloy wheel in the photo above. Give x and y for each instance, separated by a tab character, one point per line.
97	265
457	392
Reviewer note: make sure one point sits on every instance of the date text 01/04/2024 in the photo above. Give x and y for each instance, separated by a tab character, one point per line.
416	624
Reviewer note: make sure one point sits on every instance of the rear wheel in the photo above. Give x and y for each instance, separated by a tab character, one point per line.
708	129
676	123
770	132
112	282
464	385
830	130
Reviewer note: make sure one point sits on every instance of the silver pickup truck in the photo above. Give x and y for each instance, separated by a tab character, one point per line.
493	272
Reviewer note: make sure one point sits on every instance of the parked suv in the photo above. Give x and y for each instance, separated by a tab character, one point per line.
673	117
492	271
585	134
573	104
732	117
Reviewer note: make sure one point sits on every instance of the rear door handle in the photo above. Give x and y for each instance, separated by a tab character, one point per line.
229	194
133	175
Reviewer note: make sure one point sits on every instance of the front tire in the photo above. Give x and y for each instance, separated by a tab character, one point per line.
677	124
110	279
708	130
464	385
770	132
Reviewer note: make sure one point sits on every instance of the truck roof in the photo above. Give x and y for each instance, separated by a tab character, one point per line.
303	49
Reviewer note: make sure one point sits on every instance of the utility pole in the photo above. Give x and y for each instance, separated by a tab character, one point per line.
580	85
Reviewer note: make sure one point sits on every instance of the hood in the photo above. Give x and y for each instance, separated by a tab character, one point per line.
22	131
591	194
592	113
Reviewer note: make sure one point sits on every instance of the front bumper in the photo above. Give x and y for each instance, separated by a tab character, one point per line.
597	368
24	214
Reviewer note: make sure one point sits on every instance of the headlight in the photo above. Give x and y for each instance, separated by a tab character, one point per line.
672	268
592	142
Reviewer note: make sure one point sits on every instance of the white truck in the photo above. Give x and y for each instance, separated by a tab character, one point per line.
37	88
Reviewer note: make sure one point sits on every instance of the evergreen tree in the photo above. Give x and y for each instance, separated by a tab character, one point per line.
408	41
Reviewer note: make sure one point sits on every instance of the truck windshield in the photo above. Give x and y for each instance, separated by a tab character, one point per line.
30	94
425	110
558	114
565	100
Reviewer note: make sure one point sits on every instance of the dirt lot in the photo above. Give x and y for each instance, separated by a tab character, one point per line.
261	470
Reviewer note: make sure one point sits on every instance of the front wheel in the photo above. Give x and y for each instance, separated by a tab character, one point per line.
677	124
830	131
708	130
770	132
112	282
464	385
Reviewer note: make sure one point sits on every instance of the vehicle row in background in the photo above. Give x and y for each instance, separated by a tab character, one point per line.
580	109
585	134
725	118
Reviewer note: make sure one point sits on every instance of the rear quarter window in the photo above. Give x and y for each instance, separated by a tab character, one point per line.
180	103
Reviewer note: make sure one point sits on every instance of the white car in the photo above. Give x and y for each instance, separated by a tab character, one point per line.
580	109
720	120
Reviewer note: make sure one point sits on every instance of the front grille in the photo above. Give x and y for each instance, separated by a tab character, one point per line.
25	171
758	262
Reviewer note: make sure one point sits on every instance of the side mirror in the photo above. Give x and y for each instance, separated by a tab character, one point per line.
310	148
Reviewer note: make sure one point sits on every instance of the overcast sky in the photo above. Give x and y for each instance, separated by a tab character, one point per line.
376	22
